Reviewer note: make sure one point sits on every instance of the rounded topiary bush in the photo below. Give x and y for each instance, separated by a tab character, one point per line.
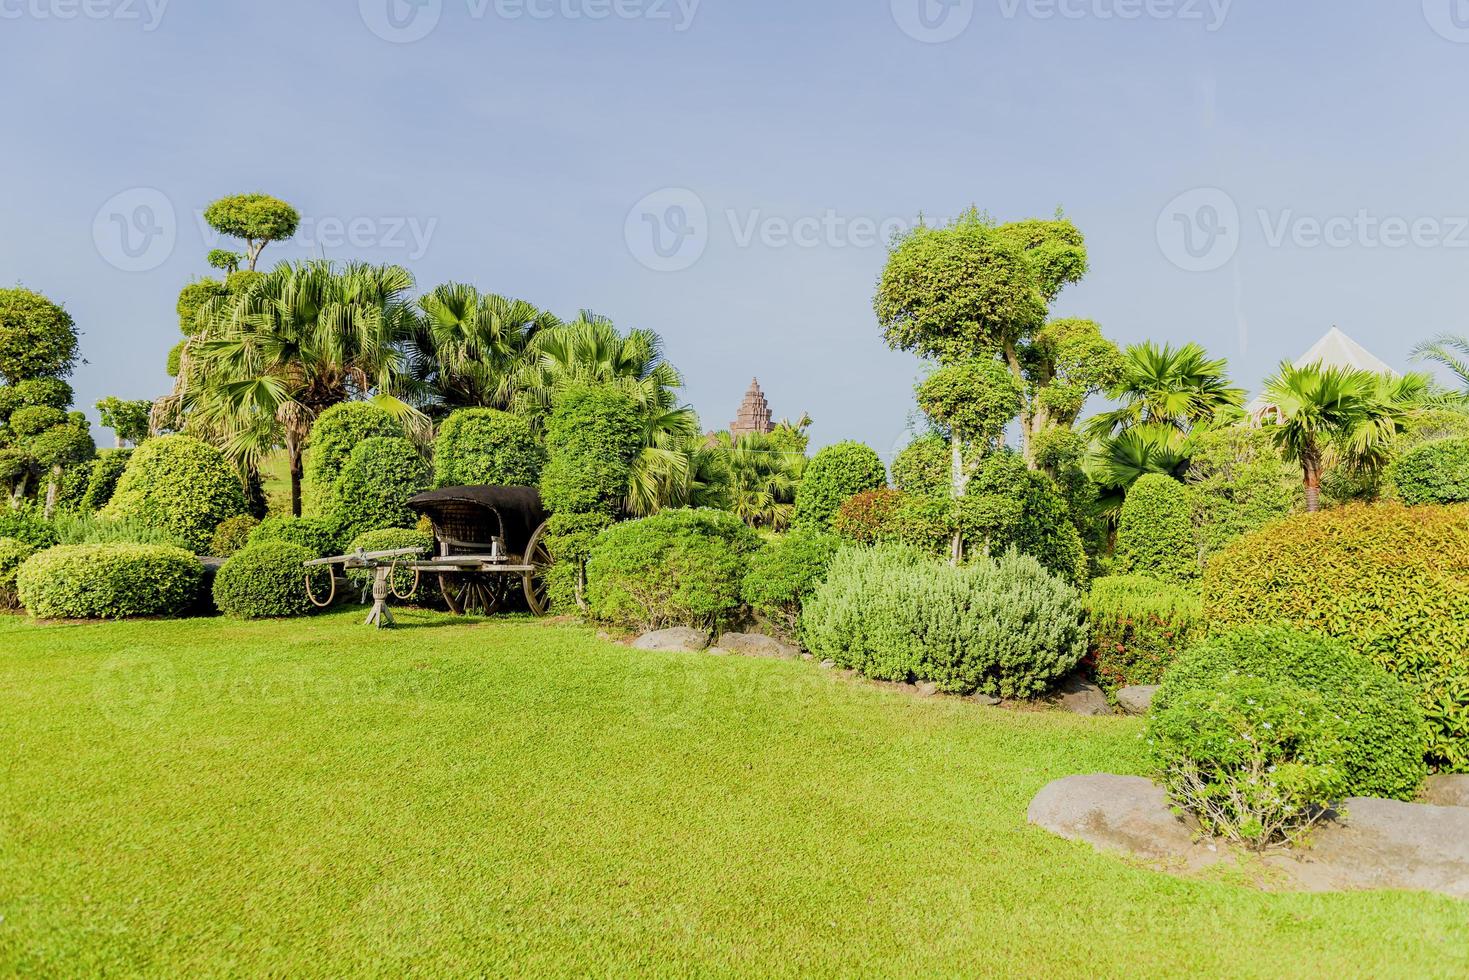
1139	626
334	434
925	467
232	535
180	485
13	554
315	534
265	581
592	437
834	476
380	477
1006	505
1384	739
785	573
1007	628
1155	534
677	568
109	581
483	447
1436	473
1391	582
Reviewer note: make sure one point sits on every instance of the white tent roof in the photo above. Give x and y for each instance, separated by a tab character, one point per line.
1335	350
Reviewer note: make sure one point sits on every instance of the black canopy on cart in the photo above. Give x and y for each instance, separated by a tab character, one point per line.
466	520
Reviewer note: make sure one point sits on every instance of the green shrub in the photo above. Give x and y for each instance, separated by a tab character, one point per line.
372	493
1155	534
1006	627
107	469
334	434
785	573
109	581
28	526
32	420
181	485
1383	734
13	554
1008	506
265	581
232	535
837	474
84	528
396	539
592	437
51	392
315	534
1391	582
569	539
1436	473
1239	483
1139	625
37	337
1258	762
677	568
924	467
483	447
870	517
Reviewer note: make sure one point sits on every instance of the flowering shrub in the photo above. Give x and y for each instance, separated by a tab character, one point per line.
1139	626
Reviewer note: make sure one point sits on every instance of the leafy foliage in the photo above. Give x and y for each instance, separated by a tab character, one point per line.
109	581
38	339
335	433
181	485
785	573
569	539
592	436
676	568
837	473
372	493
1238	483
974	399
1389	581
232	535
128	419
28	526
315	534
1139	626
871	517
1006	505
923	467
81	527
1435	473
13	554
258	219
1156	535
1007	628
265	581
482	446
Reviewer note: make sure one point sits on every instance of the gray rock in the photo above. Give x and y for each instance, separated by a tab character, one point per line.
926	689
1447	791
1121	814
1137	700
680	639
757	645
987	700
828	664
1080	697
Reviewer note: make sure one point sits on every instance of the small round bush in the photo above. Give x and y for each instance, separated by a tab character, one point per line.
312	533
180	485
1384	739
1155	533
1436	473
396	539
835	475
483	447
334	434
1139	626
592	437
870	517
265	581
13	554
32	420
107	469
380	477
677	568
109	581
924	467
232	535
785	573
1391	582
1006	627
29	527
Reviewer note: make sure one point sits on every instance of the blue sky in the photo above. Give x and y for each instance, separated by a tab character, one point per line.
533	147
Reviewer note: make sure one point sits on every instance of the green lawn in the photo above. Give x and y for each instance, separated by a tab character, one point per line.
519	797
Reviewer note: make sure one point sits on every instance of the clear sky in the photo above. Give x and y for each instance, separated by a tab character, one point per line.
1247	173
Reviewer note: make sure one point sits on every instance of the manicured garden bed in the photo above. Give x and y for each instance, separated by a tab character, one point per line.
311	797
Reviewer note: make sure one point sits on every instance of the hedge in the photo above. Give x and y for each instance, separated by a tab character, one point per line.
180	485
315	534
1139	626
265	581
1384	734
1390	581
484	447
109	581
592	437
373	491
1436	473
835	475
785	573
334	434
1155	534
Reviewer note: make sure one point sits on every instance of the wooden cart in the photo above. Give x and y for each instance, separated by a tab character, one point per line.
489	547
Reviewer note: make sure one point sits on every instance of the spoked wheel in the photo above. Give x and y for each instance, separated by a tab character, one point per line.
472	593
537	584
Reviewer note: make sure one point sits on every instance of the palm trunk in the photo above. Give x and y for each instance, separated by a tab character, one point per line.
1311	471
293	453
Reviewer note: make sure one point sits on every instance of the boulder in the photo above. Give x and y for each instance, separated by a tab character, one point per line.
1137	700
1121	814
1386	844
1447	791
828	664
926	689
987	700
757	645
680	639
1080	697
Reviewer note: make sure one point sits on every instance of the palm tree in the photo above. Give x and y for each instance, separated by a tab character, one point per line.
1179	388
302	339
1451	352
1322	412
764	472
468	345
1118	462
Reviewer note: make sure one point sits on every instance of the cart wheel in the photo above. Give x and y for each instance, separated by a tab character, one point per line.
537	584
472	593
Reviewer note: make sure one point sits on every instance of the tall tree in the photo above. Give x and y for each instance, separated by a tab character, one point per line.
469	344
257	219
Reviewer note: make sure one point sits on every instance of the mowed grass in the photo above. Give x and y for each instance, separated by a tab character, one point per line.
316	798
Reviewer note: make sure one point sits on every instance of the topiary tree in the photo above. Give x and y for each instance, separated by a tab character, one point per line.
372	493
264	581
836	474
180	485
258	219
128	420
1435	473
1155	532
484	447
1238	483
335	433
923	467
592	436
35	392
193	298
38	339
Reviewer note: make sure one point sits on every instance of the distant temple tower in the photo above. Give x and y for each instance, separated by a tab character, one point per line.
754	415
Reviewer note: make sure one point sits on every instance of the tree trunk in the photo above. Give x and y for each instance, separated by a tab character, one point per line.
960	484
1012	358
293	452
53	490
